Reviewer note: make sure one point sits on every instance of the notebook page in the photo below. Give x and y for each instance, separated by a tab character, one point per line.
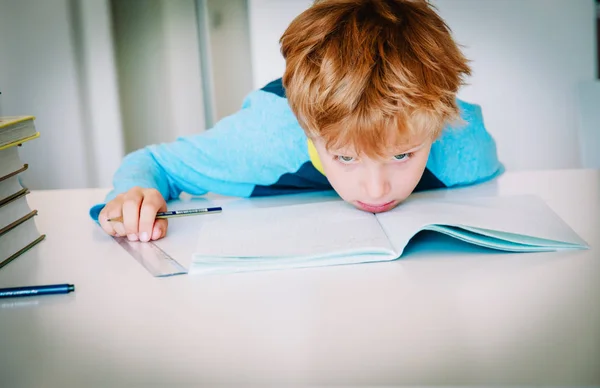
487	241
209	265
307	230
526	215
520	239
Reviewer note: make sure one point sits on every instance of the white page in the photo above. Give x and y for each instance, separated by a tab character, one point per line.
306	230
9	187
13	211
527	215
9	161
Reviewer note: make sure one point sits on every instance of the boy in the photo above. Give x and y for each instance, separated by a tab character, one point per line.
365	107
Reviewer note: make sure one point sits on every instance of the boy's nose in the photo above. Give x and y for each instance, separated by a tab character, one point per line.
377	185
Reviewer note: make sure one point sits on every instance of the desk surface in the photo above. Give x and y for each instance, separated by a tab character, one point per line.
467	317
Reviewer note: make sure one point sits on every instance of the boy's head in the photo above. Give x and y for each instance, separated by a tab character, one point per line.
372	83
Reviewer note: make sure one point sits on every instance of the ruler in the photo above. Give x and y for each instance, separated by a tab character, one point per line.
155	260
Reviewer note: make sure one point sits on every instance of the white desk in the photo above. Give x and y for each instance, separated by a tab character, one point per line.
433	317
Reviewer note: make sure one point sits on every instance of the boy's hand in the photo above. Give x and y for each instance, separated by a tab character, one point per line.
138	208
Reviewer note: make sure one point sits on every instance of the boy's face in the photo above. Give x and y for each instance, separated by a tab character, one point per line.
375	185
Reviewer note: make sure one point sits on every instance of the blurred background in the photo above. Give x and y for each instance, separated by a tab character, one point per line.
106	77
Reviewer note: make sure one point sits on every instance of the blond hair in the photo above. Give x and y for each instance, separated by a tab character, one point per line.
370	73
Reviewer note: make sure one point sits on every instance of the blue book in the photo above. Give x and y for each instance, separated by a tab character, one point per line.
335	233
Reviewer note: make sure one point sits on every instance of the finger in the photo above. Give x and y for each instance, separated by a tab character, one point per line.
114	209
106	225
131	212
160	229
119	228
151	205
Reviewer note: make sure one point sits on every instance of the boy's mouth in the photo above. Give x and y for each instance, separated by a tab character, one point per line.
376	208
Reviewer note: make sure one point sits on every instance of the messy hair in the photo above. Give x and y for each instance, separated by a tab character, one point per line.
367	74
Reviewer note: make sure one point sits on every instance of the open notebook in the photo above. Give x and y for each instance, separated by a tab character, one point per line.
333	233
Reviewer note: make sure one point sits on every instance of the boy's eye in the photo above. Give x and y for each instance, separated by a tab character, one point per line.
401	156
345	159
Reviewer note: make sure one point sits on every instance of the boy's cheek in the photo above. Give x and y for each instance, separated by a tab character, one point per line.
344	185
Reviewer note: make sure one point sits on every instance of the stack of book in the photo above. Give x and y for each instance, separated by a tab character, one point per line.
18	231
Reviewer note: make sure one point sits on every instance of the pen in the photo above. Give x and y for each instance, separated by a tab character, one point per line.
178	213
36	290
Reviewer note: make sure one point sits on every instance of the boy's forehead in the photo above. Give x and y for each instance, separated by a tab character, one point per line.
392	145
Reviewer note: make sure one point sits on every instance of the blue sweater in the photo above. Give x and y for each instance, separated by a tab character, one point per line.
262	150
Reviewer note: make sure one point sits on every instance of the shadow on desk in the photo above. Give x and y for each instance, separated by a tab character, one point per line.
35	302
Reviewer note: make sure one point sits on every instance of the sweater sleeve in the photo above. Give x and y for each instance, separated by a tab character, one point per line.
465	154
255	146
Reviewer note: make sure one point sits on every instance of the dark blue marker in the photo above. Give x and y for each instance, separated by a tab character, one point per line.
36	290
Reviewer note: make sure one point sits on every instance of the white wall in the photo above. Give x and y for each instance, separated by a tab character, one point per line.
103	133
37	70
182	65
268	21
159	70
57	62
589	123
53	67
528	56
230	54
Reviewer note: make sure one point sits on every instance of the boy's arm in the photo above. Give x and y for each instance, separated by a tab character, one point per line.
465	154
254	146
